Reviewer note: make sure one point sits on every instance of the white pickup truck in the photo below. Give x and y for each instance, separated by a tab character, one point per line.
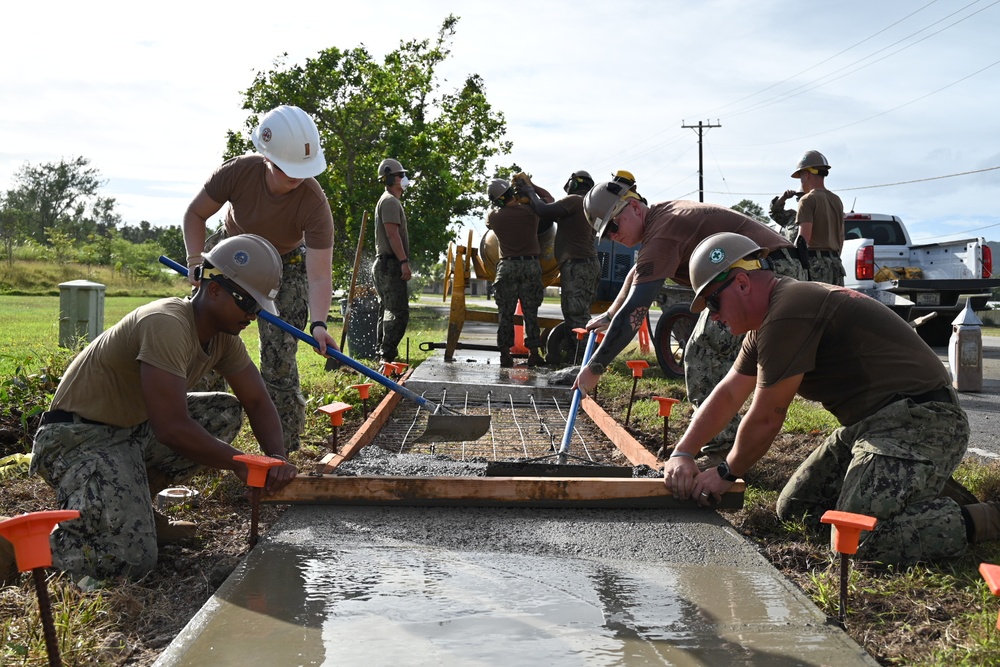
882	261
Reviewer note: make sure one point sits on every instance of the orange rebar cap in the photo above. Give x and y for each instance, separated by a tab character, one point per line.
363	389
257	467
991	574
666	404
336	412
847	529
637	365
29	533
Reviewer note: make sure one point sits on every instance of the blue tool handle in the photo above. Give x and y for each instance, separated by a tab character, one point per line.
336	354
577	397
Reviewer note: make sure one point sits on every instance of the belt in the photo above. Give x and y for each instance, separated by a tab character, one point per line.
941	395
63	417
823	253
392	257
579	260
520	257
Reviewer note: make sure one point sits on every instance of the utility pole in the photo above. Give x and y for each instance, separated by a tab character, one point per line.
700	128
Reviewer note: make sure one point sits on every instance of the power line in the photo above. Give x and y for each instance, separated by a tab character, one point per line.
869	187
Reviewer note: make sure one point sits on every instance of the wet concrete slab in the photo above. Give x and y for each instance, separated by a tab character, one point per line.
434	586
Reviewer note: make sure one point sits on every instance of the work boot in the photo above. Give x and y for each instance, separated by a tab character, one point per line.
506	361
961	495
8	562
169	531
534	358
710	460
985	521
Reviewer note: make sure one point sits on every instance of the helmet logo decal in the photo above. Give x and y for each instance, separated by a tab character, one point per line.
265	134
241	257
717	256
307	150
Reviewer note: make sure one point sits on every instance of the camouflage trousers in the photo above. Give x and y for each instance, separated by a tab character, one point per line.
394	305
104	472
826	269
578	281
518	279
711	351
891	465
278	364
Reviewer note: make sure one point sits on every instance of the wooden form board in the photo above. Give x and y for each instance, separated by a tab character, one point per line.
565	492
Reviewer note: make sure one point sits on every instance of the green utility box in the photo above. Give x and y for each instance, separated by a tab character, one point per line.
81	311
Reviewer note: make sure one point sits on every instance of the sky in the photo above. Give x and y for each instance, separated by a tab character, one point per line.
900	95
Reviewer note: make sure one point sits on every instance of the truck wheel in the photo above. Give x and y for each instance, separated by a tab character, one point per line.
937	332
673	330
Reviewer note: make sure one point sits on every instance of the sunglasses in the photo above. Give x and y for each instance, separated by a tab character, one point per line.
245	302
712	302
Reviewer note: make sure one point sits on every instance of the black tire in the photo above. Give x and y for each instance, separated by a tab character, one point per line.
554	344
673	330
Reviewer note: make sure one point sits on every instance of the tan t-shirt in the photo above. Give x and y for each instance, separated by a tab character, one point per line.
389	209
285	221
826	213
516	227
674	228
102	382
574	235
856	354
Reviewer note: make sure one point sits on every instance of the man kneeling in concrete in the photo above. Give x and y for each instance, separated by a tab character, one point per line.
904	432
122	425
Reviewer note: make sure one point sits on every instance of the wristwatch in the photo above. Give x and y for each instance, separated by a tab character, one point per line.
725	473
317	323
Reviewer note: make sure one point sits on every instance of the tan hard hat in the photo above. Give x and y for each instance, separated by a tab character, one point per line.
251	262
811	160
604	202
715	255
388	167
288	137
498	187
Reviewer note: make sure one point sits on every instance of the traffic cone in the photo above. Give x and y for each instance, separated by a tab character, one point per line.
644	336
519	347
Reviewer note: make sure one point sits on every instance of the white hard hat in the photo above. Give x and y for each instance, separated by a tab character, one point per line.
288	137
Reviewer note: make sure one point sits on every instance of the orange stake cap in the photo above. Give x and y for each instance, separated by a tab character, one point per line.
388	367
400	367
257	467
580	332
666	404
362	390
600	337
29	533
847	529
336	412
991	573
637	365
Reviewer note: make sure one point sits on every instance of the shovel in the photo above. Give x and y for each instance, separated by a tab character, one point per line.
443	424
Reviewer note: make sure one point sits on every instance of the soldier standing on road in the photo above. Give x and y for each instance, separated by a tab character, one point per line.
904	432
391	270
273	194
123	424
576	253
820	219
519	273
669	232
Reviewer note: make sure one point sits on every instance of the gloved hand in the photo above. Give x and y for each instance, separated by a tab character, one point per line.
522	186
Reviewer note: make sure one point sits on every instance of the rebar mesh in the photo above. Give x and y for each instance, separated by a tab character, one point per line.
519	429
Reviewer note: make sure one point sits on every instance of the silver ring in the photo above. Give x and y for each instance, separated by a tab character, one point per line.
703	493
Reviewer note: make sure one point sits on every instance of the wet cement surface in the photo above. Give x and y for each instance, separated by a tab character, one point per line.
485	586
424	586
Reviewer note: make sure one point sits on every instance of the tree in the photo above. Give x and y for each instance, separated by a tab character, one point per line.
56	195
13	224
367	111
752	209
